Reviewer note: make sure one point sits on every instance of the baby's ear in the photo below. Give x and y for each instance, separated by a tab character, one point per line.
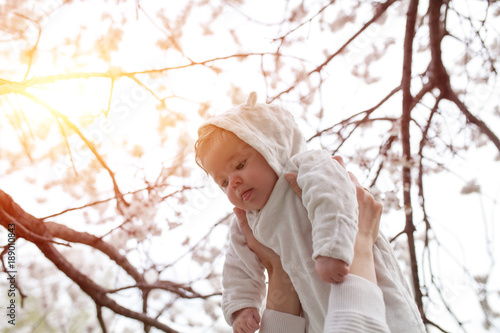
252	99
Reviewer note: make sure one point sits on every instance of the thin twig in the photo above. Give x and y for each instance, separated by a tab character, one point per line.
381	9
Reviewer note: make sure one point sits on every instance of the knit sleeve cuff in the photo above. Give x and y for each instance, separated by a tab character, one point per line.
358	295
280	322
356	305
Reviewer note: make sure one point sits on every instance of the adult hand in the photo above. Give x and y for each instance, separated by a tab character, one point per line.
268	257
370	212
281	295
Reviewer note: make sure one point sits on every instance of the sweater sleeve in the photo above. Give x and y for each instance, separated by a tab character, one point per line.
280	322
243	279
330	199
356	306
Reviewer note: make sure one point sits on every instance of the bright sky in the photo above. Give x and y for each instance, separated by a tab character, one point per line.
454	216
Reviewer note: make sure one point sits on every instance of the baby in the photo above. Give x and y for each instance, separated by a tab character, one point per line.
247	151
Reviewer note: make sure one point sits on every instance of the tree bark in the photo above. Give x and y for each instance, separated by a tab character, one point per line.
411	17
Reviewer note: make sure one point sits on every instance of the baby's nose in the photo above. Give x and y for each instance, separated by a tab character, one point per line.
234	181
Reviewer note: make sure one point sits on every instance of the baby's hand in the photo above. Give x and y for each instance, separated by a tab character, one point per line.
331	270
246	320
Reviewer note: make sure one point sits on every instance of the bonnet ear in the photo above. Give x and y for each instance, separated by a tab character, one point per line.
252	99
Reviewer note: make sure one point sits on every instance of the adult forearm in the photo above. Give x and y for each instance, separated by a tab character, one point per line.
282	296
363	264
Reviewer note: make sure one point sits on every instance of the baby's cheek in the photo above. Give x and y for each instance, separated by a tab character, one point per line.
232	199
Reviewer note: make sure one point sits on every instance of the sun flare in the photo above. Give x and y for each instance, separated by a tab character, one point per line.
75	98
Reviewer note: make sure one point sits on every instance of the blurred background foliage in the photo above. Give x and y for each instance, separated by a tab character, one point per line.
100	101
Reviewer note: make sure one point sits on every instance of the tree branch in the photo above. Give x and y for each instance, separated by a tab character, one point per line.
9	87
408	102
61	231
90	145
381	9
10	211
439	76
474	120
305	22
366	114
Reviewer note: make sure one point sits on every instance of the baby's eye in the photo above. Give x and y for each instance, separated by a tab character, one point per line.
224	183
241	165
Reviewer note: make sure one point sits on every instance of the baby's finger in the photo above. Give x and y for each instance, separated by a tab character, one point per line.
341	278
256	317
243	329
292	180
253	325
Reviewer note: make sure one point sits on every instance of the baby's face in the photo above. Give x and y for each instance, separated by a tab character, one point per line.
241	172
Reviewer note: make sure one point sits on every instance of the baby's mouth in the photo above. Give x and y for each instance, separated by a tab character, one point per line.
245	196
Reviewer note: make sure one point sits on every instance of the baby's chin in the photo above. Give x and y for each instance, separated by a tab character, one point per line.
250	208
254	204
